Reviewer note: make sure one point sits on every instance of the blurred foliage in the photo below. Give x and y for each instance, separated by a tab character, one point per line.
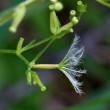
36	26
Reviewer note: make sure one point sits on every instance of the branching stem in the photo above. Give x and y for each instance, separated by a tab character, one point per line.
23	59
40	53
36	44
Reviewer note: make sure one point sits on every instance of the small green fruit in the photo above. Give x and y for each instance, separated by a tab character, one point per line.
72	13
58	6
74	20
81	7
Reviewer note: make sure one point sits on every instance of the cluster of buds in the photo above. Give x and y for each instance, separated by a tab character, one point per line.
32	76
55	25
57	6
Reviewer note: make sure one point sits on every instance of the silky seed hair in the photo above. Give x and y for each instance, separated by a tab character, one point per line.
70	63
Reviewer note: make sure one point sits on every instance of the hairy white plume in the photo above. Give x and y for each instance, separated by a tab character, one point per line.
70	62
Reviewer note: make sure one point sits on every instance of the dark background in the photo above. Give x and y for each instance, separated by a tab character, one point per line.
94	29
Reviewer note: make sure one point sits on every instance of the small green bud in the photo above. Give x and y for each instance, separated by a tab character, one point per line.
72	13
51	7
12	29
81	7
74	20
43	88
34	78
18	15
58	6
79	3
37	81
71	30
34	81
54	22
19	46
29	78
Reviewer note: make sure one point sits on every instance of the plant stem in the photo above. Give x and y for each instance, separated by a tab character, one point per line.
23	59
65	27
19	45
45	66
40	53
79	16
2	51
36	44
7	51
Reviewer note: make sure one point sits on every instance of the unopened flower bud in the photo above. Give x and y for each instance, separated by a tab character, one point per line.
72	13
54	22
58	6
81	7
71	30
74	20
51	7
29	78
18	15
37	81
43	88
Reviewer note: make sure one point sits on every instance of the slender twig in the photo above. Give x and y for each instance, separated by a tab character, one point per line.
40	53
2	51
23	59
19	45
36	44
58	35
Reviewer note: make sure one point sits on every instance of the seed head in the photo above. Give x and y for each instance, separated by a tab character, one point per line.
70	62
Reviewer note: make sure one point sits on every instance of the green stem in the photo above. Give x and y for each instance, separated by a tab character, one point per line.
37	81
19	45
2	51
23	59
40	53
79	16
45	66
36	44
65	27
62	32
104	3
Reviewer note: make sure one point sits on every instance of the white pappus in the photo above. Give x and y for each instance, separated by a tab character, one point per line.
70	62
